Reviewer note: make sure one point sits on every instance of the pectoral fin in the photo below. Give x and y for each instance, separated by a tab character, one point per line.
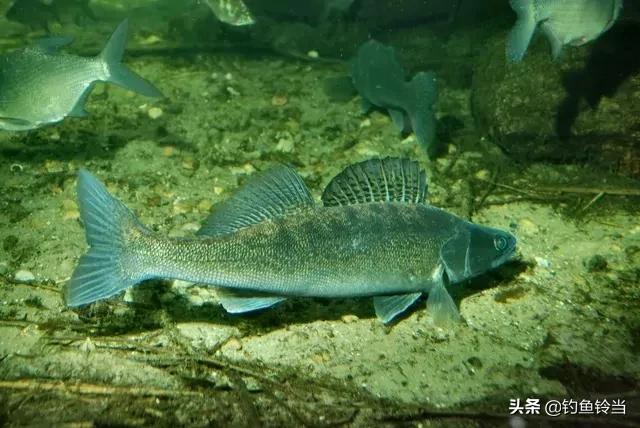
237	302
440	304
388	307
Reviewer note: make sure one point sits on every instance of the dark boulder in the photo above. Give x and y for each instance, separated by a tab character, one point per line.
584	107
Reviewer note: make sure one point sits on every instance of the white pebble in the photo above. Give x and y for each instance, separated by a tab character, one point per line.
543	263
24	276
154	112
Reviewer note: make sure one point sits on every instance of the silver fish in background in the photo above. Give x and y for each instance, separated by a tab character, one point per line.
232	12
374	235
40	85
563	22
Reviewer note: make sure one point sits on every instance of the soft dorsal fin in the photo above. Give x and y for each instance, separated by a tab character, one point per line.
268	194
378	180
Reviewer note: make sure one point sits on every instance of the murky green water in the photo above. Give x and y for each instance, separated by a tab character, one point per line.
547	150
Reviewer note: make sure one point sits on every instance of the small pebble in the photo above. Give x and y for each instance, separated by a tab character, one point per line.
542	262
168	151
24	276
285	145
196	300
232	91
528	227
189	164
279	100
204	205
234	344
154	112
190	227
87	346
348	319
483	174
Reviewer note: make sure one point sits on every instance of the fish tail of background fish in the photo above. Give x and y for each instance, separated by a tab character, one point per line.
112	263
424	86
117	72
523	31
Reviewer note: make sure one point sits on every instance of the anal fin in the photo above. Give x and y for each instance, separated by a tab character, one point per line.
240	301
15	124
388	307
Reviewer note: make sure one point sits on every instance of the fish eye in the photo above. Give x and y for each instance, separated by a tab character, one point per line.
500	242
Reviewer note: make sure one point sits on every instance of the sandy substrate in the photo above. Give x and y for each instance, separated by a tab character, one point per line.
562	321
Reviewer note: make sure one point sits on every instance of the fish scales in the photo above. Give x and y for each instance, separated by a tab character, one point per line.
350	251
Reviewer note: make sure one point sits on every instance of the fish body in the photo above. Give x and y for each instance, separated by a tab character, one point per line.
381	82
374	235
40	85
564	22
232	12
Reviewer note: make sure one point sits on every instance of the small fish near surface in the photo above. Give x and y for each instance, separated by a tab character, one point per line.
380	80
40	85
563	22
374	235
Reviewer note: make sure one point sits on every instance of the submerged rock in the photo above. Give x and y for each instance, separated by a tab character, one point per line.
582	107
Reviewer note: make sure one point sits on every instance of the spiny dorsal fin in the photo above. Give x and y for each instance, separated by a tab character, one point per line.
378	180
268	194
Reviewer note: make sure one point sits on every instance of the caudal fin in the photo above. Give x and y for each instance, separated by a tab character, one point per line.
522	31
117	72
109	266
424	86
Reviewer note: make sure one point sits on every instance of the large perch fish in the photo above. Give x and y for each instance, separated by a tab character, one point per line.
40	85
374	235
